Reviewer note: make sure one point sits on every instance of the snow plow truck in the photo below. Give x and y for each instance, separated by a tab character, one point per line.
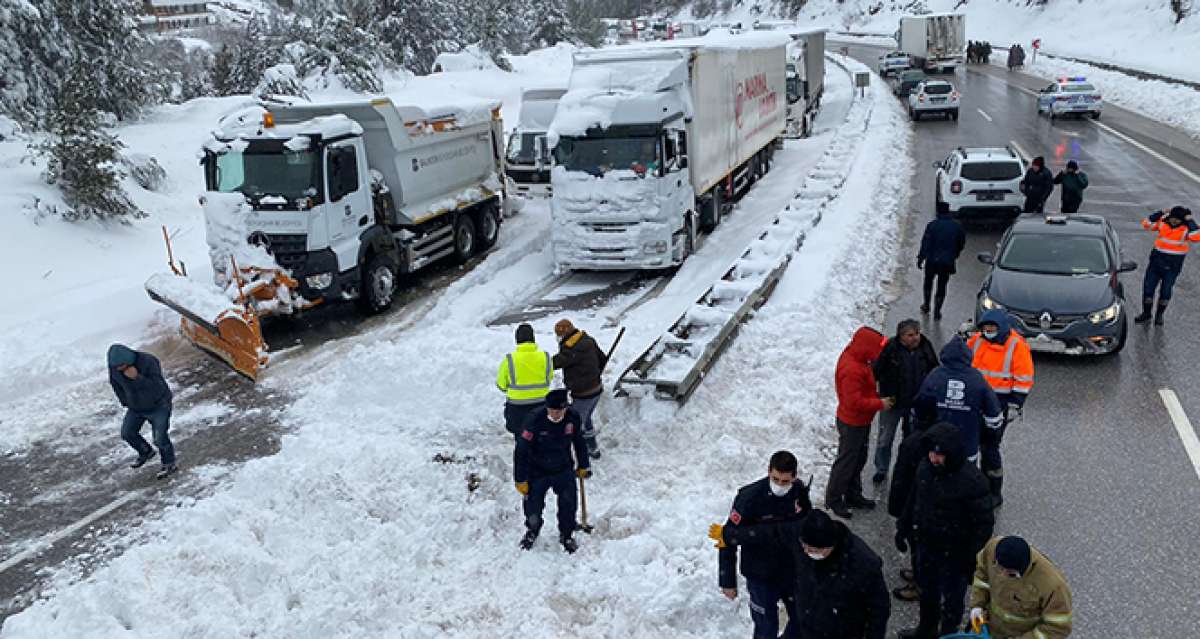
310	204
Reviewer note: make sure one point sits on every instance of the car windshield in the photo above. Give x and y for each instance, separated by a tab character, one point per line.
912	76
1078	88
287	174
522	148
599	155
1055	254
938	89
990	171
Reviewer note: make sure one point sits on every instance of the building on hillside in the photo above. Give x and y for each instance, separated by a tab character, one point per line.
173	15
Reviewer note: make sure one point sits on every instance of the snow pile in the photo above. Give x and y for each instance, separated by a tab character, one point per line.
228	237
202	300
606	80
471	58
675	362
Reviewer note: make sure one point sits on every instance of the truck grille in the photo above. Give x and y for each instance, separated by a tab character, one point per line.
289	250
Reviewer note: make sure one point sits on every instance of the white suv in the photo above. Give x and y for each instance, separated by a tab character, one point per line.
980	182
933	97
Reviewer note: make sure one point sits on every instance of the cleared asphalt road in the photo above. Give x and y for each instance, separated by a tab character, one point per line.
1096	475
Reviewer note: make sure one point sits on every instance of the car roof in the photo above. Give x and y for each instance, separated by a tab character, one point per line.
930	83
1073	224
985	153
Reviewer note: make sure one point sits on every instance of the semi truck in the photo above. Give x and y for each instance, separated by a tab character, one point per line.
652	145
347	198
805	80
936	42
527	161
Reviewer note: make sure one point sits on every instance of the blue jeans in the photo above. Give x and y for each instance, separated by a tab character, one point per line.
764	609
888	420
1161	270
160	422
585	408
563	485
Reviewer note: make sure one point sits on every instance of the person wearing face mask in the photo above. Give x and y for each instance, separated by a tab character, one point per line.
949	515
1019	592
1177	231
137	381
1004	359
542	462
778	497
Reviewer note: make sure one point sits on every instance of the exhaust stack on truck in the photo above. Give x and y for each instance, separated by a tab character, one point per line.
653	143
309	204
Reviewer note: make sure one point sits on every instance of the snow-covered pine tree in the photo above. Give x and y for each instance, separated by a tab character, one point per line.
418	30
82	158
328	44
551	24
493	26
239	65
25	81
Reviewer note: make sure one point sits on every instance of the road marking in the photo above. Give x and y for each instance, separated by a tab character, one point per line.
984	114
45	542
1183	426
1020	151
1155	154
1115	203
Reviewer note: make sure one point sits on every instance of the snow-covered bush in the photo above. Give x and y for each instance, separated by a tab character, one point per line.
145	170
280	80
82	158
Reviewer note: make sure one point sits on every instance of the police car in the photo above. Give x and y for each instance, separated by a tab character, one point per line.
894	62
1070	95
1057	276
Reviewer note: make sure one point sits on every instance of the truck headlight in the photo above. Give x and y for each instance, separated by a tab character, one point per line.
320	281
655	247
1105	316
988	303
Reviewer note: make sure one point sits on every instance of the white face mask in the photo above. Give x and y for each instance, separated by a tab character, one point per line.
991	334
560	418
779	490
815	556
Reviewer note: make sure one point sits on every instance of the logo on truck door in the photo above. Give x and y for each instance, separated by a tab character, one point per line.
754	89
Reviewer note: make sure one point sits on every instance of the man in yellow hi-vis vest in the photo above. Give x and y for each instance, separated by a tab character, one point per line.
524	376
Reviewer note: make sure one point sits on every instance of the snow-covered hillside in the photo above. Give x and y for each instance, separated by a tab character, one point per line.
1140	34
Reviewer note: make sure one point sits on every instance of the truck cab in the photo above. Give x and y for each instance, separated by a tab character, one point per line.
527	159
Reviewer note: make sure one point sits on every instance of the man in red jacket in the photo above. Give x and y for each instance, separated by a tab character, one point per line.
858	401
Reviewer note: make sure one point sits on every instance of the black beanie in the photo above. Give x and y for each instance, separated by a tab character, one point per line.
525	334
1178	213
1013	553
819	531
1072	164
557	398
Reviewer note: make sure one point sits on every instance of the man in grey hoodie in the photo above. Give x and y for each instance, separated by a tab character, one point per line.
138	383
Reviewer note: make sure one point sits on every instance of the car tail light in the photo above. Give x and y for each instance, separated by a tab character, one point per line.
956	186
1095	98
921	98
954	96
1061	98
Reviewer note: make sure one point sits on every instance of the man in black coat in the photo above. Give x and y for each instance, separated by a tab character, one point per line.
941	244
949	515
1037	185
582	363
542	462
913	449
902	365
840	591
778	497
139	385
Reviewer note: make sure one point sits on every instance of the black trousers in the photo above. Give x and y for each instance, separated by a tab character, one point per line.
942	276
943	575
845	478
563	485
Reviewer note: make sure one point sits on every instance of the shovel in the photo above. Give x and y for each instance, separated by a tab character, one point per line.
584	526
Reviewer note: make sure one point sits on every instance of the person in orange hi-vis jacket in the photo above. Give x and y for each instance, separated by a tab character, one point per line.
1176	232
1003	356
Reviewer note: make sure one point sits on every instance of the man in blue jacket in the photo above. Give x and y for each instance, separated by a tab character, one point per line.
955	392
941	244
138	383
542	462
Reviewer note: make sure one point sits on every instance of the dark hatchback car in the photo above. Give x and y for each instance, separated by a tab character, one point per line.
1058	278
906	81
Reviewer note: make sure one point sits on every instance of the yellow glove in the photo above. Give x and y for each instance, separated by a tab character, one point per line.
583	473
715	533
523	487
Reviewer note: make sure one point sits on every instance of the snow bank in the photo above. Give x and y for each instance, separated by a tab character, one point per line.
471	58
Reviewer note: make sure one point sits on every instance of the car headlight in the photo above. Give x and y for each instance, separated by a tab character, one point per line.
988	303
1105	316
655	247
320	281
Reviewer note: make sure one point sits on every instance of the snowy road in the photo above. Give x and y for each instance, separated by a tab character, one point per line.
1097	476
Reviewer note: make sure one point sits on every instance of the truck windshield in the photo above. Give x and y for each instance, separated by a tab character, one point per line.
286	174
522	148
598	155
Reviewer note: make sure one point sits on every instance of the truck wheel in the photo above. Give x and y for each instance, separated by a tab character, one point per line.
487	227
464	238
714	211
378	285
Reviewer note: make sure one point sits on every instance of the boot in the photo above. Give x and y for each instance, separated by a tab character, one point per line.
937	308
907	592
166	471
531	536
568	544
1158	314
925	306
996	484
1147	303
593	446
143	458
840	508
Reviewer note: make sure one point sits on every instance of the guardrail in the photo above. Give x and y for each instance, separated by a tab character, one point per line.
677	361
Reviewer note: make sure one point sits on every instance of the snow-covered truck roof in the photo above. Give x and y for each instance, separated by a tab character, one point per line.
538	107
622	85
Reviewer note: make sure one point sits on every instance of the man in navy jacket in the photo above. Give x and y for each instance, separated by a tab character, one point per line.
138	383
542	462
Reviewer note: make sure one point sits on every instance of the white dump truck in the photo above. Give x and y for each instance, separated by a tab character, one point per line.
346	198
805	79
936	42
527	161
652	144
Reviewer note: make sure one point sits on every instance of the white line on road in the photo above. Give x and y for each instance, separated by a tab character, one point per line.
1164	159
1183	426
984	114
1023	153
45	542
1116	203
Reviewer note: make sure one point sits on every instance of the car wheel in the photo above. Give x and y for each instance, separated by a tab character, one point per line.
1121	339
378	285
941	207
464	239
1095	115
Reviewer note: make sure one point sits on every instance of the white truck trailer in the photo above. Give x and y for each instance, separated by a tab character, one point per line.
652	144
527	162
347	198
805	79
936	42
